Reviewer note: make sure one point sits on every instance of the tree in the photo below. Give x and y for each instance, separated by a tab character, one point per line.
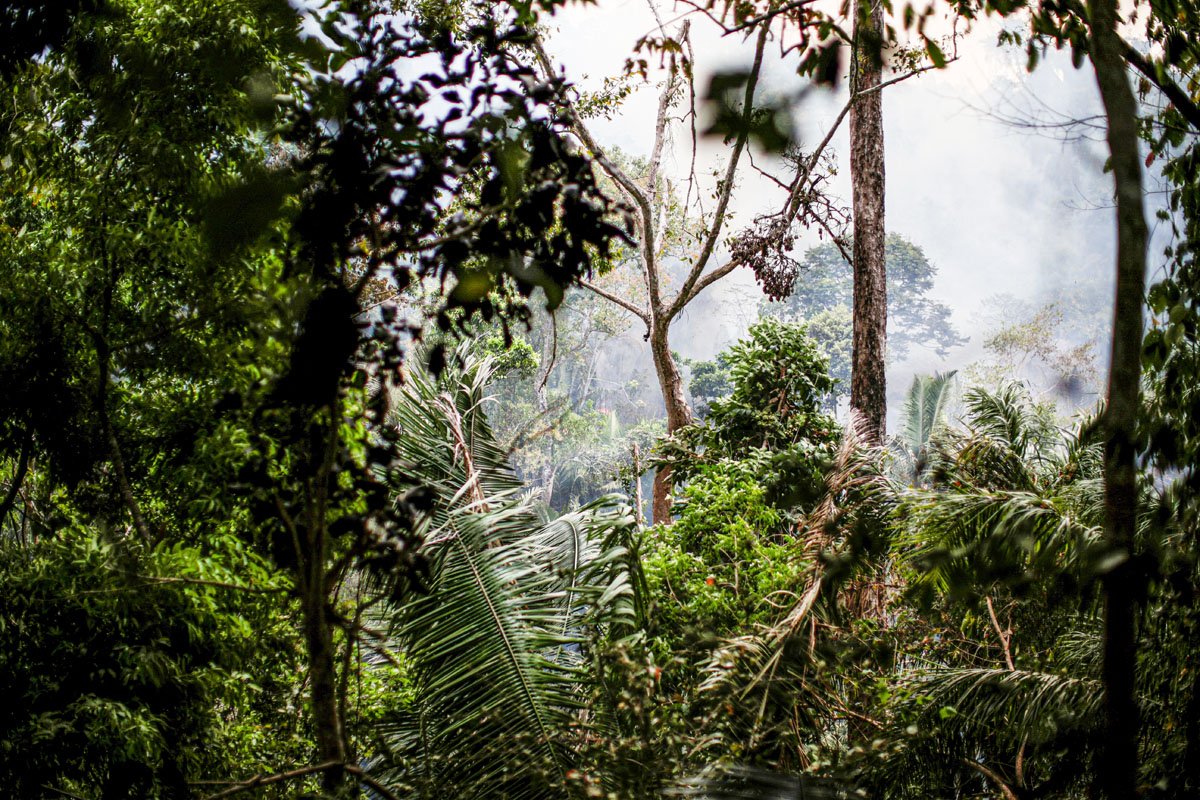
923	417
1091	31
1119	764
122	330
573	415
130	672
868	379
201	211
1005	531
777	379
1051	345
1005	555
649	198
824	296
765	244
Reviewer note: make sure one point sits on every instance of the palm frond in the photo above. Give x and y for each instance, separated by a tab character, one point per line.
439	424
923	414
995	536
1019	703
1008	442
489	697
492	648
983	725
1007	414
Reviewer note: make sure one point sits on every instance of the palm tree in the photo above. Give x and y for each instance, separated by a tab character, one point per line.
1009	526
493	648
924	414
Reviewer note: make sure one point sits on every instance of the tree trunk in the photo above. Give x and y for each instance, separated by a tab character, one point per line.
678	413
638	504
318	636
1117	771
868	388
548	354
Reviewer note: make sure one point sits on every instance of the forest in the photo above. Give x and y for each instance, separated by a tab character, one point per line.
395	404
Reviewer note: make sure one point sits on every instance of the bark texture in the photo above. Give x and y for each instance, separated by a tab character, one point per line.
1117	770
679	414
868	385
322	668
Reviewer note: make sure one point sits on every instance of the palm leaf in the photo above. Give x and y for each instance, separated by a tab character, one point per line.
492	649
975	538
1019	703
923	414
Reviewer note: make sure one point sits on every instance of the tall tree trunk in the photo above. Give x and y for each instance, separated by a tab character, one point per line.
868	388
1117	771
678	412
322	664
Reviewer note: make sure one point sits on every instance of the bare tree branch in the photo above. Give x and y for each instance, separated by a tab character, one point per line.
1158	76
218	584
991	775
725	189
653	232
580	129
264	780
660	139
691	82
792	206
711	278
1004	635
641	314
375	785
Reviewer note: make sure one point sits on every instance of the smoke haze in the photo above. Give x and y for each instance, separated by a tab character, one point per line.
997	173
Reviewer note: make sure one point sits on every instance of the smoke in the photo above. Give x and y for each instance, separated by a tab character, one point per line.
996	172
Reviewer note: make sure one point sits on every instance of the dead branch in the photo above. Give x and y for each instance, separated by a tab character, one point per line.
725	188
641	314
1005	635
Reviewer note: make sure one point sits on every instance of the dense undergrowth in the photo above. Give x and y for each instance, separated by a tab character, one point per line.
312	482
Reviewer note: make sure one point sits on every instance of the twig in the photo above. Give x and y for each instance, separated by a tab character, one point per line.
644	316
63	792
217	584
793	201
264	780
363	777
1178	97
631	188
750	23
1004	635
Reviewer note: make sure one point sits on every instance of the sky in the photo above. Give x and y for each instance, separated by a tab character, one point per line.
1001	208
